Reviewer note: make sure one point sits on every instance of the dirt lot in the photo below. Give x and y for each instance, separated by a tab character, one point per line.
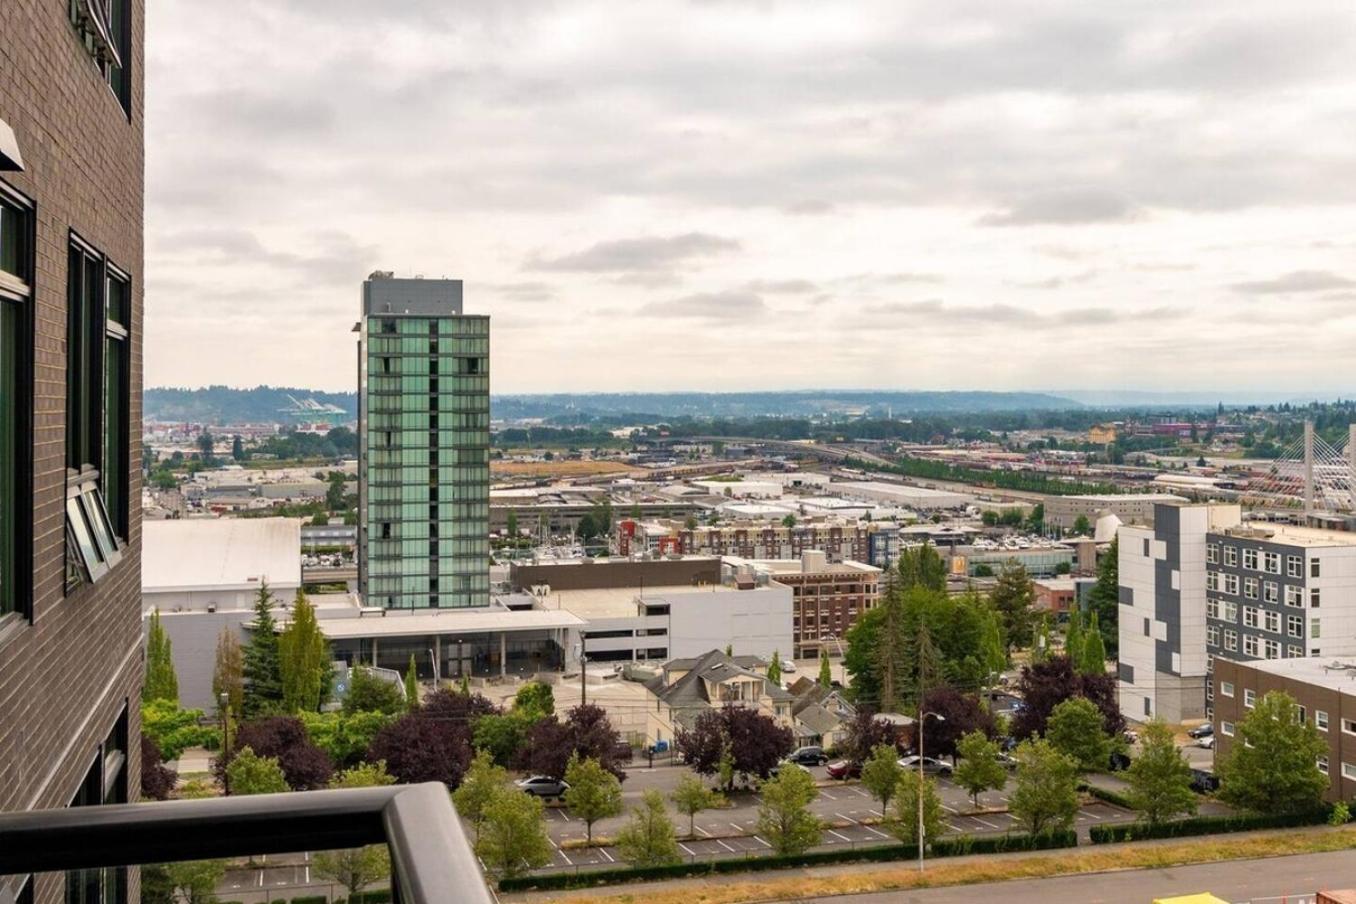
556	468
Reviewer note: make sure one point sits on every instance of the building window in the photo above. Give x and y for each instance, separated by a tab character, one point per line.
1314	598
1212	553
1250	645
1314	570
1226	688
1271	592
1249	697
1250	587
1230	611
1272	562
105	783
1294	596
1212	635
1349	726
1313	629
1294	651
1322	764
1231	584
1250	559
1294	625
97	419
1294	566
16	393
1273	621
1226	729
1212	580
1250	617
1212	608
1230	640
1231	556
1272	648
1320	720
1349	771
105	30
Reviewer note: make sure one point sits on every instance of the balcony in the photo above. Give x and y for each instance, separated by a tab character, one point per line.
431	860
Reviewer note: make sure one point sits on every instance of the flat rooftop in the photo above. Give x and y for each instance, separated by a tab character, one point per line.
620	602
796	566
435	622
1316	670
1291	535
1122	497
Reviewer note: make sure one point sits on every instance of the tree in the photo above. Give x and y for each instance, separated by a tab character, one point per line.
989	518
411	685
789	521
482	782
1035	522
993	653
1040	647
774	669
237	448
979	769
784	816
195	881
535	700
334	493
263	669
961	714
512	837
864	734
691	797
1082	526
157	779
881	774
1012	597
418	747
1104	598
1270	764
344	737
206	444
1043	686
753	743
502	737
1160	778
825	670
594	793
648	839
368	692
903	819
172	729
922	566
1076	729
585	732
1046	794
283	738
511	525
252	774
228	675
357	868
1075	638
303	659
1094	650
161	682
587	529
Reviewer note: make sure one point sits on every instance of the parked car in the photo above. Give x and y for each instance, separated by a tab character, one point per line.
807	756
1208	742
1008	760
543	786
1118	762
930	766
788	764
1203	782
788	665
843	769
1202	731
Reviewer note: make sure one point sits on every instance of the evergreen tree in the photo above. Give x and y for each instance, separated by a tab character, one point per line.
825	670
922	566
228	676
1040	647
411	685
774	669
161	682
1074	635
263	670
1012	597
1094	651
303	659
1104	598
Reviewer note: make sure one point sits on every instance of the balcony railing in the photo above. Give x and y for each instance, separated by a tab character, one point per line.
431	859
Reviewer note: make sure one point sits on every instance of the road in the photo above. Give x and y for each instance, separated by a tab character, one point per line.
732	831
1292	879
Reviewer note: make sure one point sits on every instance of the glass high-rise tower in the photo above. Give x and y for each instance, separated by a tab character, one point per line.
423	446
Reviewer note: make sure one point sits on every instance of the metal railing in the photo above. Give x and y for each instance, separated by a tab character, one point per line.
431	859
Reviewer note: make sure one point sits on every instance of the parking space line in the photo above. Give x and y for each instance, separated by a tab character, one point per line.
862	793
724	845
984	823
839	837
687	850
563	815
604	852
568	861
761	841
949	809
1090	814
703	831
955	828
875	832
736	827
825	792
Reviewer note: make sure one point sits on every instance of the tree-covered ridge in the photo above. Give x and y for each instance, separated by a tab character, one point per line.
228	405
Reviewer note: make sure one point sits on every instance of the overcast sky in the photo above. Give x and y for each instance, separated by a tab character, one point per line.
733	195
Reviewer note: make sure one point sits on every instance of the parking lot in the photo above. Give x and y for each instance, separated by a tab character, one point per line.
846	807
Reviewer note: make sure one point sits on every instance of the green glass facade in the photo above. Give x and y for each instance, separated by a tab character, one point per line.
424	473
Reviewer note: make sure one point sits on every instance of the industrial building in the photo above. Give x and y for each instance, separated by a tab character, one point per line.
1132	508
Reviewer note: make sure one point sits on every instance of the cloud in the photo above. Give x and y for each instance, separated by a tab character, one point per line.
731	305
1295	281
524	291
1059	282
1064	208
638	255
809	208
782	286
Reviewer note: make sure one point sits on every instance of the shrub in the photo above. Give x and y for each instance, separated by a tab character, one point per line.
1205	825
1112	797
1340	815
311	899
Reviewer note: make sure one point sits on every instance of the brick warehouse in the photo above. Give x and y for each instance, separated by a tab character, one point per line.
71	211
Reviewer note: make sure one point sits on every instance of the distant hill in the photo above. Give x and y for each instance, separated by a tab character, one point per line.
223	404
227	405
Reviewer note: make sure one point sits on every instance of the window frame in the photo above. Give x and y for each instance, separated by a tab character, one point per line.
17	293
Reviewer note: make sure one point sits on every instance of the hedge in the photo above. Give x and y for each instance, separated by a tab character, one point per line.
943	847
1205	825
311	899
1106	794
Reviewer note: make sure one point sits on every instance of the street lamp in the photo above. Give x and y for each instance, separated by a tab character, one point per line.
922	717
224	704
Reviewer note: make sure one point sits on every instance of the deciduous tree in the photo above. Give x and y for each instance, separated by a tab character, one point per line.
864	734
753	741
303	659
482	782
594	793
411	685
1104	598
585	732
881	774
344	737
961	713
535	700
228	673
368	692
979	769
1270	764
419	748
249	773
357	868
513	834
784	816
903	819
1160	778
161	682
157	779
1045	685
1094	650
691	797
283	738
1046	794
648	838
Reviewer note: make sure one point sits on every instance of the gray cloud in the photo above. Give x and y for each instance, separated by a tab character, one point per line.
1296	281
1058	282
1064	208
782	286
524	291
731	305
637	255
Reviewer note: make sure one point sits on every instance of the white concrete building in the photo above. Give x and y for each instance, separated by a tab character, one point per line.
205	564
899	494
1162	611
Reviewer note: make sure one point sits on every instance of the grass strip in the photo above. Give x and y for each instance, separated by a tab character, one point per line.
1149	856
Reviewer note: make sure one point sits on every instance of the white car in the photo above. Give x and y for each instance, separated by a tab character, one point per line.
788	665
930	766
1208	742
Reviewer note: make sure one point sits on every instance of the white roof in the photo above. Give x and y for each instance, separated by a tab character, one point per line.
432	622
220	553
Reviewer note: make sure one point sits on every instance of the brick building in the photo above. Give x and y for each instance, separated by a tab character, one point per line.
828	597
71	200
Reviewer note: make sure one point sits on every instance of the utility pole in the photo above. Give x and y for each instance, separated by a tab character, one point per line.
583	672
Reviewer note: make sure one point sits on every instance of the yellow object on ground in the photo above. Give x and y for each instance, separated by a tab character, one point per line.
1202	898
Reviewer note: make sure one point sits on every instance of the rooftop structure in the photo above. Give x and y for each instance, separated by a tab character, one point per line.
902	494
196	562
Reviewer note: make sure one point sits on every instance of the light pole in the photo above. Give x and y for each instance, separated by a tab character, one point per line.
224	704
922	717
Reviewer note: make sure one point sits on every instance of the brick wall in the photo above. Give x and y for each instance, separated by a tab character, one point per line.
65	676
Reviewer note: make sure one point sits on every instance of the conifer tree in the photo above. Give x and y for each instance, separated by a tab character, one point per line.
161	682
228	672
263	671
825	670
411	686
1094	652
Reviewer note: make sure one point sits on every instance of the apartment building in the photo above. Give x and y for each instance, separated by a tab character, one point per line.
837	539
1279	592
423	446
1132	508
827	597
1162	611
71	211
1324	688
